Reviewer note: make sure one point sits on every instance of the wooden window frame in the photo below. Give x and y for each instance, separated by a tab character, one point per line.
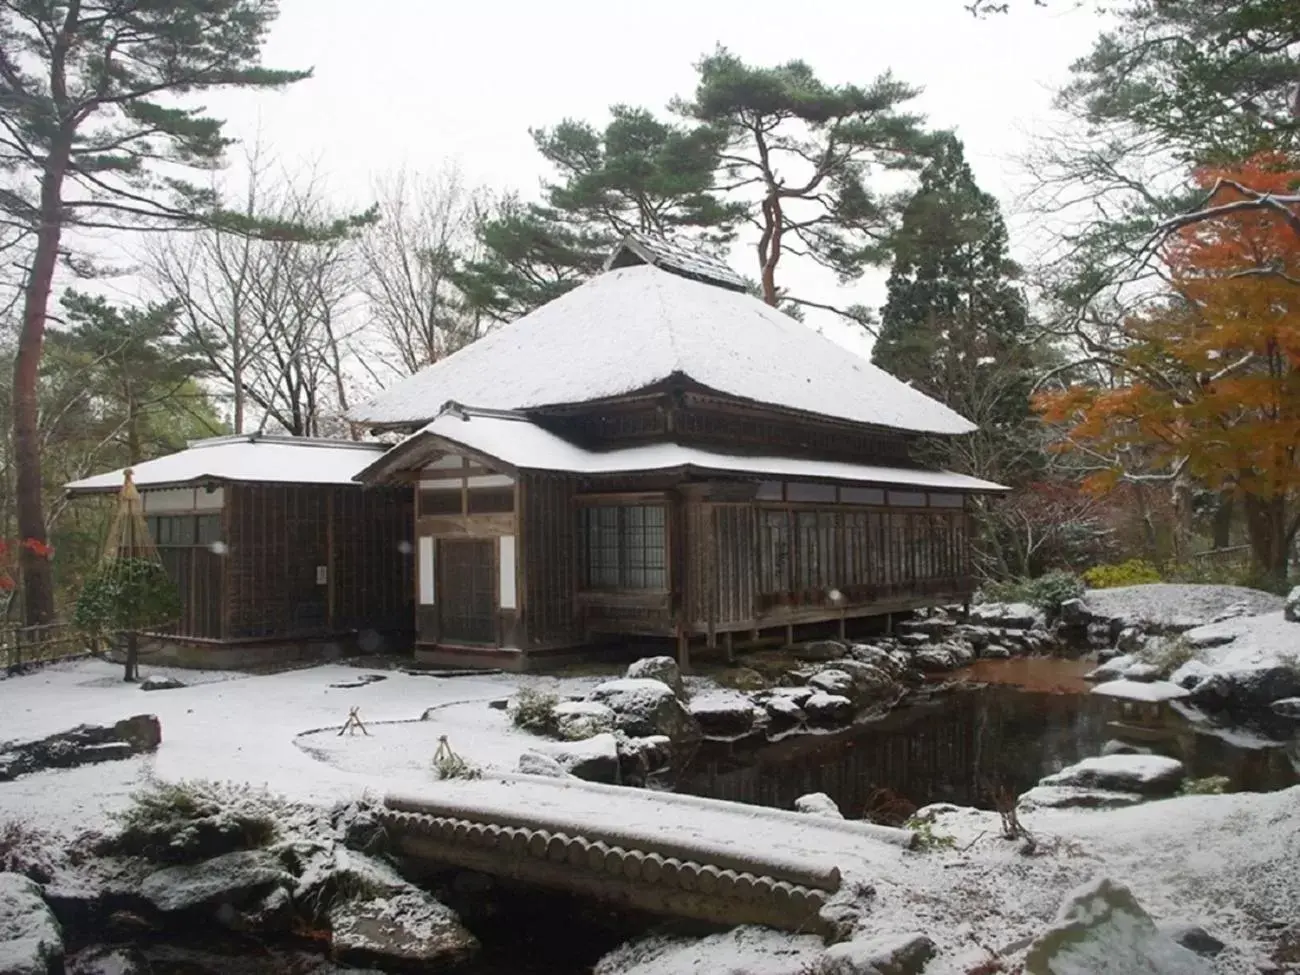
625	570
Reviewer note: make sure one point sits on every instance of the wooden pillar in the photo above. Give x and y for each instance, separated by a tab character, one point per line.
683	651
331	567
842	628
789	634
728	644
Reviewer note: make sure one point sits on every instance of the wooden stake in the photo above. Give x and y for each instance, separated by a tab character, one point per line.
353	723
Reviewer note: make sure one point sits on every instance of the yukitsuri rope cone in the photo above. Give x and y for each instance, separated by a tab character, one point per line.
128	536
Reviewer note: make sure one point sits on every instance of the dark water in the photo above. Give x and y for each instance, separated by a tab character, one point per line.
963	745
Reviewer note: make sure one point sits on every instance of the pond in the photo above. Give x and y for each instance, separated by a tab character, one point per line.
1024	719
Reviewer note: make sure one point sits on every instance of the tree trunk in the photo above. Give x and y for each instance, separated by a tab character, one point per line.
1270	543
37	573
1223	521
770	247
132	656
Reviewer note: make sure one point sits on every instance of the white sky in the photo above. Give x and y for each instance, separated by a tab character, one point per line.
419	83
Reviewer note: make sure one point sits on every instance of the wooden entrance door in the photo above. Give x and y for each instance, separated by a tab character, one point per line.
467	581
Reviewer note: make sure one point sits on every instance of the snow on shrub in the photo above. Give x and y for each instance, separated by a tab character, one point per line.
1134	572
1047	591
534	710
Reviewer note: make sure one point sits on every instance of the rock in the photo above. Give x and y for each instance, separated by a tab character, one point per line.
576	720
108	960
1190	674
31	942
995	651
1149	775
905	954
1131	639
1065	797
83	745
832	682
978	637
1015	616
1101	928
409	930
961	652
659	668
1195	938
746	950
784	711
1117	747
643	706
640	758
1208	639
1288	707
1112	669
159	682
1141	672
724	714
818	804
535	763
1291	608
272	913
334	873
934	659
359	828
828	709
1098	635
594	759
1152	691
878	657
235	878
1246	689
796	695
1075	612
914	640
819	650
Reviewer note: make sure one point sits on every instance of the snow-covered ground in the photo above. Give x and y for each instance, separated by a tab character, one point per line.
1175	606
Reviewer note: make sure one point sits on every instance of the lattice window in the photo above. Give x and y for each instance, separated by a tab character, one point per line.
774	567
626	546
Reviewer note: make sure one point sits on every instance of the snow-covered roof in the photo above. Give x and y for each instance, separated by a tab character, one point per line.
250	458
520	444
642	248
633	327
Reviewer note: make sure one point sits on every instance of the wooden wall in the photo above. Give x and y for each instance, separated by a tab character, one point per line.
278	535
548	559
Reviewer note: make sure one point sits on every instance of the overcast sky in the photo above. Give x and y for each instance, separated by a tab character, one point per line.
419	83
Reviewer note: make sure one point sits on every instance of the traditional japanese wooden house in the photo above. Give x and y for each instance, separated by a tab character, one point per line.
277	550
659	454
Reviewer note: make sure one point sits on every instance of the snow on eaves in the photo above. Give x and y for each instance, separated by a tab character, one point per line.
632	327
522	445
284	460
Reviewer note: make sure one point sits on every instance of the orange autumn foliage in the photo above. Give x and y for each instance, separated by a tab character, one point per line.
1210	374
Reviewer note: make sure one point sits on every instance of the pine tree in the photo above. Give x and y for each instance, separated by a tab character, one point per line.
955	323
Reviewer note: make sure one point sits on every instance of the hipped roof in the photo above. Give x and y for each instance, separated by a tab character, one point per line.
634	327
250	458
515	443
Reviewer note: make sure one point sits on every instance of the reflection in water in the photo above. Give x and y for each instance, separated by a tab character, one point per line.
961	746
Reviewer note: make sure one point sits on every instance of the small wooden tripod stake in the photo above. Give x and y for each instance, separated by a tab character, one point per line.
353	723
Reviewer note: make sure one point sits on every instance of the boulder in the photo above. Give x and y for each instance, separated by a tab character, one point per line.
934	659
1112	669
1114	746
1195	938
535	763
407	931
108	960
594	759
1066	797
828	709
914	640
330	874
1288	707
1101	928
1148	775
784	712
748	949
160	682
724	714
31	942
576	720
905	954
819	650
639	758
818	804
995	651
644	706
796	695
238	879
880	658
1098	636
978	637
1142	672
83	745
1291	608
357	827
1015	616
832	681
1246	689
1075	613
659	668
1190	674
961	652
1131	639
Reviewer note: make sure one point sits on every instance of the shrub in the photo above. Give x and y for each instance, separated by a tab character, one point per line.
189	821
534	710
1134	572
926	837
126	594
1213	785
449	765
1168	653
1047	591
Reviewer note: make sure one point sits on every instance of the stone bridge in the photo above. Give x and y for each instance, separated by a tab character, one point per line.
667	854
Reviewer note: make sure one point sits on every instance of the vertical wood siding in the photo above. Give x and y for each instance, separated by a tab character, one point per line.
548	551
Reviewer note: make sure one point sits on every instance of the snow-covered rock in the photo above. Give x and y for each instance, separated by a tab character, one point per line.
890	954
1291	609
995	651
784	711
1116	747
1189	674
832	681
83	745
934	659
748	950
1112	669
1195	938
31	942
1150	691
235	878
1149	775
1068	797
594	759
1258	665
535	763
723	713
658	668
819	650
828	709
409	930
1175	607
1075	612
818	804
576	720
645	706
1131	639
1100	927
160	682
639	758
1288	707
1015	616
1141	671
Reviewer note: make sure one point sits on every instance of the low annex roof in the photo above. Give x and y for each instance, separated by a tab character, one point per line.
633	327
249	458
520	444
